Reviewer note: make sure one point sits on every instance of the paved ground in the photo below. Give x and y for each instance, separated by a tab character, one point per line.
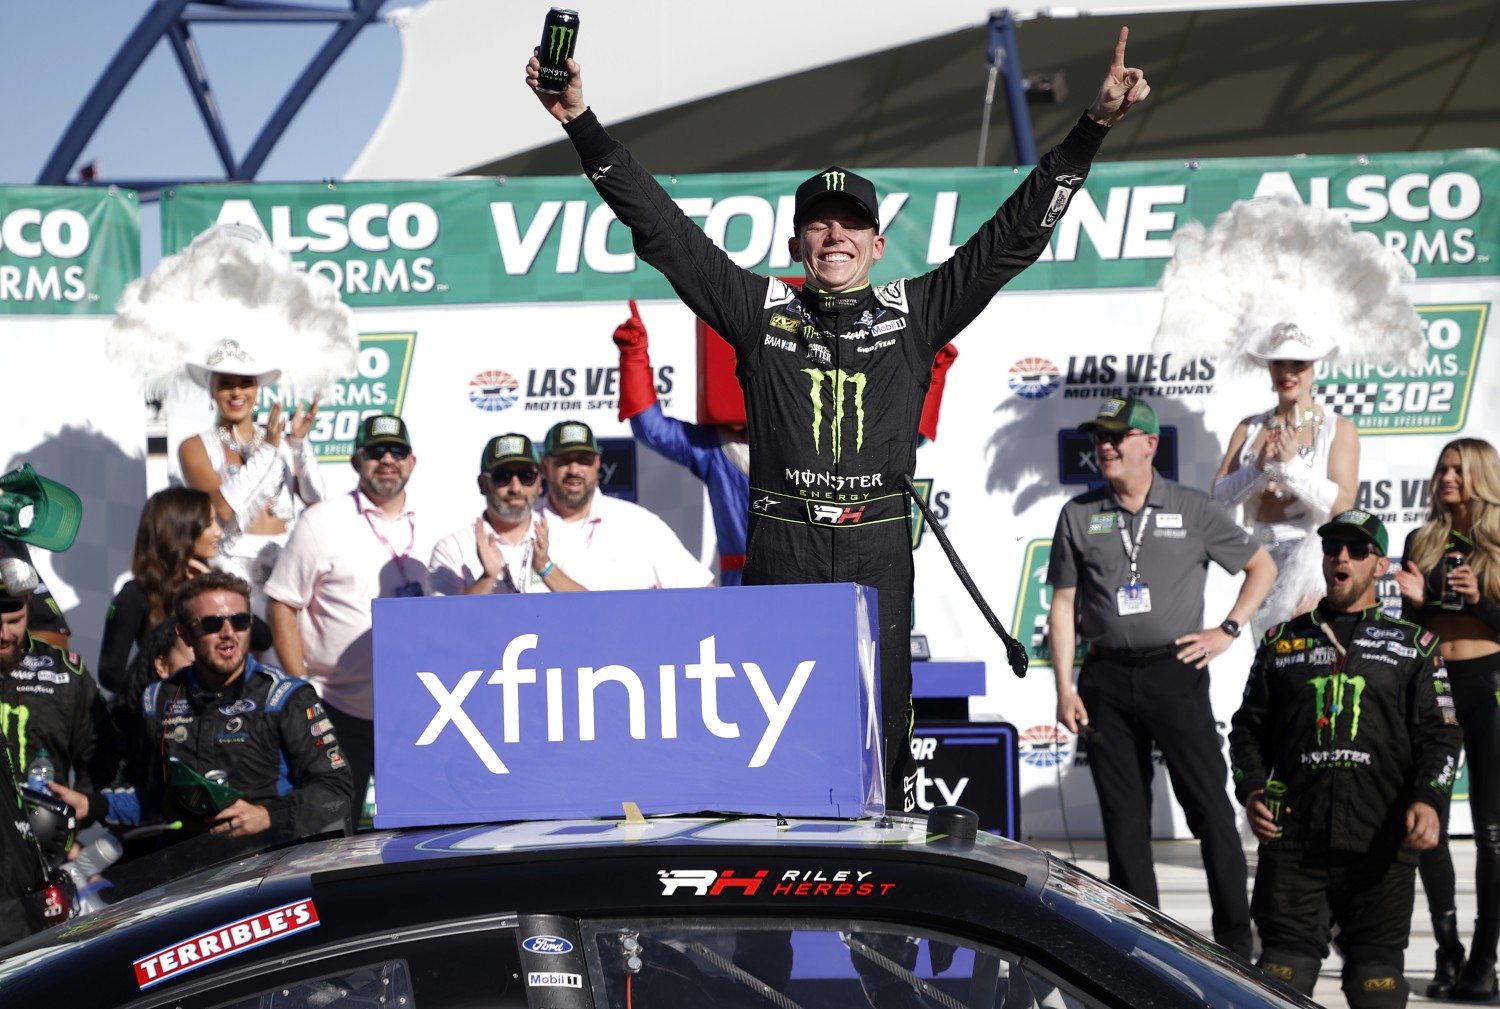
1184	895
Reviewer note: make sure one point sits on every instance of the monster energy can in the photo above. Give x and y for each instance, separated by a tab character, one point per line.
559	36
1275	800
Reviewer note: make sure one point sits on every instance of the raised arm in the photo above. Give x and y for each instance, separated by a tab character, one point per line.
718	290
950	297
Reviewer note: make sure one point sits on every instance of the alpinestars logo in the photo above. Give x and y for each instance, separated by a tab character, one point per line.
839	379
1323	687
764	504
560	43
833	180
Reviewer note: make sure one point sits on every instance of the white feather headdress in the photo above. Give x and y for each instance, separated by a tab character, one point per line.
1274	266
230	284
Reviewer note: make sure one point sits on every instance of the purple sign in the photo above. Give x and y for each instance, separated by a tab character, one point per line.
753	700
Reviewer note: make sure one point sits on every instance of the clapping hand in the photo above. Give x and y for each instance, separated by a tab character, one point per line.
302	420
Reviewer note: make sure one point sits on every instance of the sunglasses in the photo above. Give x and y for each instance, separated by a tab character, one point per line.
375	453
1357	551
503	477
1112	437
213	625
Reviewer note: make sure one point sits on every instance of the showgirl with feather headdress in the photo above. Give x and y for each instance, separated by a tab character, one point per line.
1277	284
230	313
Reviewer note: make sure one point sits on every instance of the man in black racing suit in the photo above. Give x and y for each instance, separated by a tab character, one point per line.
264	731
835	374
1350	711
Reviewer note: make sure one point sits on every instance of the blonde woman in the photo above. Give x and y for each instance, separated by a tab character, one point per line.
1450	584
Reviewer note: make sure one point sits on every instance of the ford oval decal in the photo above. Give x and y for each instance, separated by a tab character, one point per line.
547	944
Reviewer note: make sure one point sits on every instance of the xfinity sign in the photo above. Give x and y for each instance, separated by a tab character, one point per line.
750	700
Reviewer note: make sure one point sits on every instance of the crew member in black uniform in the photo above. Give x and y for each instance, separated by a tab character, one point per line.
48	700
259	734
1348	710
22	868
835	374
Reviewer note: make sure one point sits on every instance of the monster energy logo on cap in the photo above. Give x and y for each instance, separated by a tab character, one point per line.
839	379
835	183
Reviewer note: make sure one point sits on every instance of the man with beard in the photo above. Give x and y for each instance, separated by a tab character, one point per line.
507	548
48	700
603	542
1344	750
232	721
344	552
1130	558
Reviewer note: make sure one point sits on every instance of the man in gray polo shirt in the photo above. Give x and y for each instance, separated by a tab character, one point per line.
1128	568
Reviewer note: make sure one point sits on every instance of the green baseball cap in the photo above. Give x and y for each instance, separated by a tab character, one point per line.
570	436
382	429
1356	525
1120	415
508	448
38	511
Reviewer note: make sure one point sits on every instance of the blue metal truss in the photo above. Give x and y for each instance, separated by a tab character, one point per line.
171	19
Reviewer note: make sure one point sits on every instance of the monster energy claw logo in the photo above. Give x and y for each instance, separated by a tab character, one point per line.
560	43
1334	705
833	180
839	378
23	715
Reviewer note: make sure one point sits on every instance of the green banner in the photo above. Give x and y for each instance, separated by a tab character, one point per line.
384	373
1433	399
67	250
1034	603
468	241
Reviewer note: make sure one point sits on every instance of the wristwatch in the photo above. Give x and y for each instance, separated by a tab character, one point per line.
1231	628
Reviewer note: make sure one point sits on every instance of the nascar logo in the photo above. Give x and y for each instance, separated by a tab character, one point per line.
1034	378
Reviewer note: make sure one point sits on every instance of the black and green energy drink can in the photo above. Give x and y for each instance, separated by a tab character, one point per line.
559	36
1275	800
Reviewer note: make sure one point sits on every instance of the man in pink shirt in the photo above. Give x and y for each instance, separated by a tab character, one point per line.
343	553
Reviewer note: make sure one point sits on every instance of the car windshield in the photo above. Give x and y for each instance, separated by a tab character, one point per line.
1208	973
801	964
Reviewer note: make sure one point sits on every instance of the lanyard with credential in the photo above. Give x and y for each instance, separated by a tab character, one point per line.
400	559
1133	550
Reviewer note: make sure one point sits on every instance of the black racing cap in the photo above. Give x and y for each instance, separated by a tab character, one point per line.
840	184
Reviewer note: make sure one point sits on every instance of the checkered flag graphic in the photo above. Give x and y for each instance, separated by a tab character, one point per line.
1350	399
1039	633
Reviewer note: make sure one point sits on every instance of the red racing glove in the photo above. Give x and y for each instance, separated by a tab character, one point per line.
637	383
933	404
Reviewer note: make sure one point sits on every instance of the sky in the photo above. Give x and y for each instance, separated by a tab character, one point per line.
54	51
